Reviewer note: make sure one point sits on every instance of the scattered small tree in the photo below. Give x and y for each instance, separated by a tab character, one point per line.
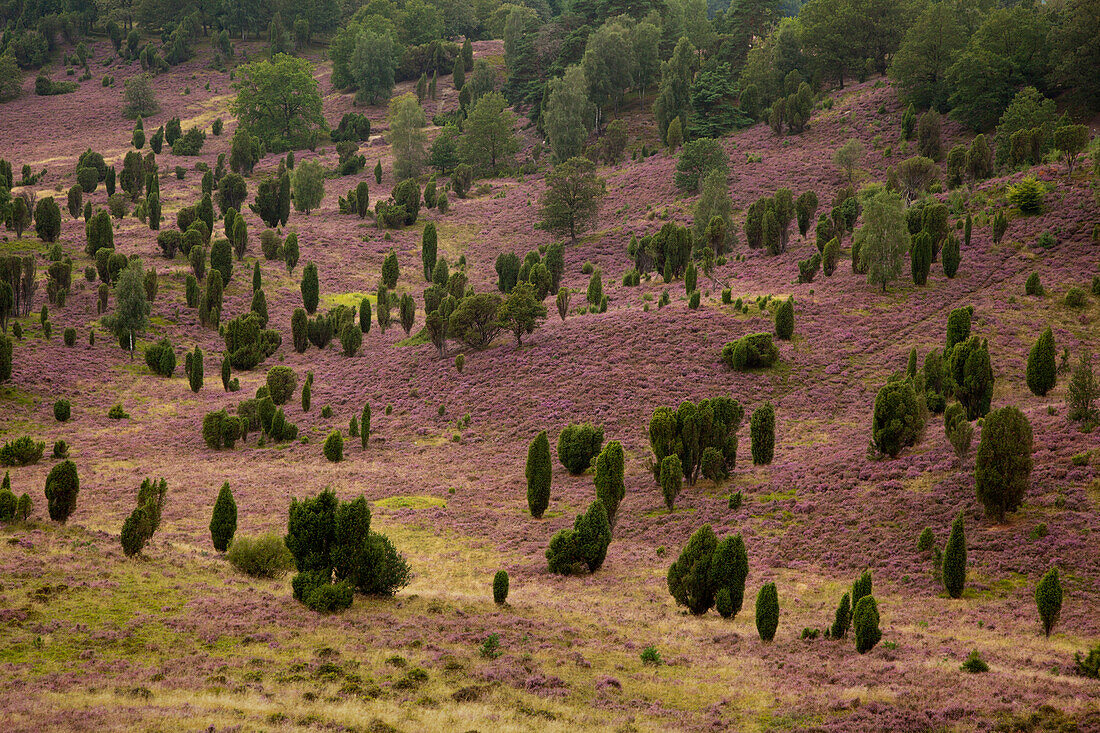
1042	373
538	475
954	559
1048	597
865	621
767	612
223	520
1002	469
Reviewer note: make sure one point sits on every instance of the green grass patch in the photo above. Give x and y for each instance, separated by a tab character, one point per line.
422	501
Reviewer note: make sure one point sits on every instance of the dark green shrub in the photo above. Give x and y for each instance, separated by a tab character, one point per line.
329	597
584	546
972	375
689	578
310	288
762	433
1002	469
223	520
954	559
767	611
161	358
865	622
897	420
671	479
265	556
117	413
334	446
1048	597
1042	373
1076	297
842	619
974	663
538	472
248	343
22	451
861	587
62	409
578	445
8	505
926	541
728	570
281	381
784	320
1033	286
62	487
958	327
753	351
407	195
500	587
351	338
609	478
952	256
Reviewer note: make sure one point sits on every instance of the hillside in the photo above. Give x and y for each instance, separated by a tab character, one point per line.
177	639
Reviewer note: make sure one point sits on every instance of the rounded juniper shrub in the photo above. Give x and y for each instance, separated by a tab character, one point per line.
1041	370
70	336
767	611
62	487
1048	597
223	520
865	622
265	556
784	320
897	421
953	569
500	587
578	445
62	409
351	338
8	505
334	446
538	473
1002	468
281	381
926	541
689	577
729	568
762	433
330	598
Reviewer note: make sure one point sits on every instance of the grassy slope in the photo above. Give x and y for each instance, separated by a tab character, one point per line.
178	639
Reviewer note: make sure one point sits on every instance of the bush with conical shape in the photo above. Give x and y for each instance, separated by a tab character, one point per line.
784	320
307	395
671	478
689	577
595	288
311	288
538	473
958	326
500	587
767	611
842	619
428	247
223	520
364	425
1042	373
951	255
1048	597
299	329
862	586
135	532
729	568
1002	468
578	445
194	373
362	199
390	270
897	420
865	622
762	433
47	219
972	376
221	258
920	257
609	478
954	559
364	315
62	487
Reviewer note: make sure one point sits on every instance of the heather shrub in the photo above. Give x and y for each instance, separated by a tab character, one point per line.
265	556
752	351
578	445
865	621
538	472
762	433
767	611
62	487
500	587
223	520
62	409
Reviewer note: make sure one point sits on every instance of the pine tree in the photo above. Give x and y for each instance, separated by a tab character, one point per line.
223	521
1042	373
538	475
954	559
